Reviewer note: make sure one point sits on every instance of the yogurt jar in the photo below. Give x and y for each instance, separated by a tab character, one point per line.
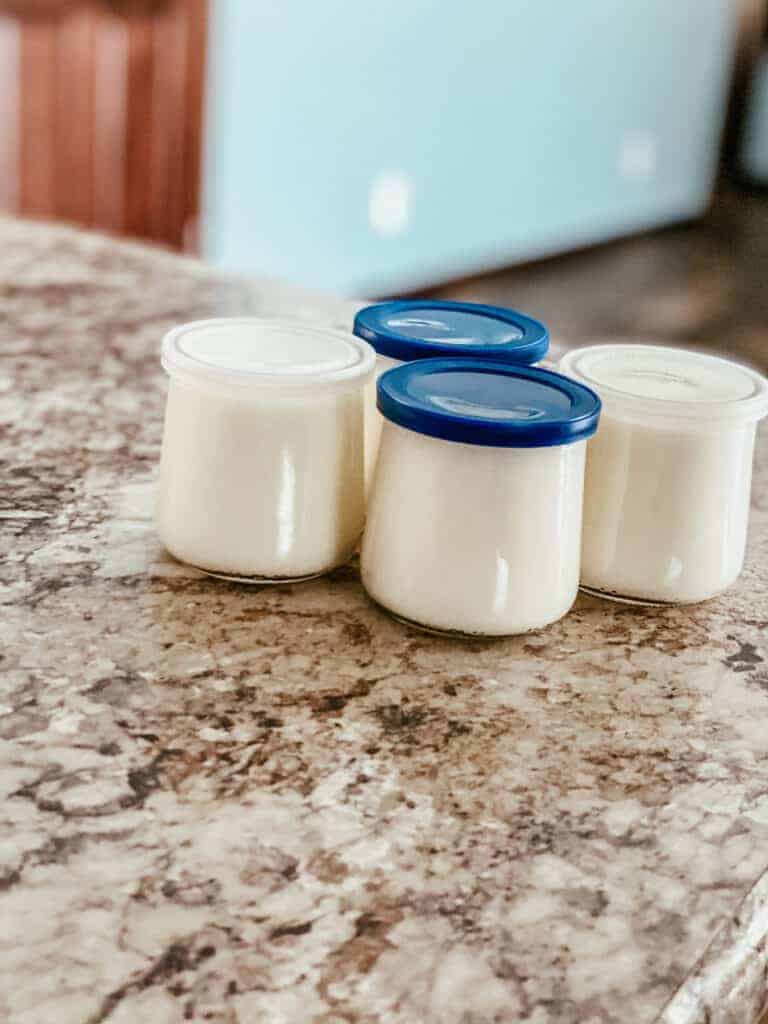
261	473
668	474
410	329
474	519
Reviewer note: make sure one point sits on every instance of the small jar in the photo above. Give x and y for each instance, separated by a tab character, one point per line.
261	474
474	519
410	329
668	473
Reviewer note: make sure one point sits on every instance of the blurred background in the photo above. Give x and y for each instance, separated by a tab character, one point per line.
599	165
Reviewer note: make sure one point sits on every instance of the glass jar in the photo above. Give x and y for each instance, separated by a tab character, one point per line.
261	474
410	329
668	474
474	519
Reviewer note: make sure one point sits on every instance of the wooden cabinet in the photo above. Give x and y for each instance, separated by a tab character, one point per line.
101	114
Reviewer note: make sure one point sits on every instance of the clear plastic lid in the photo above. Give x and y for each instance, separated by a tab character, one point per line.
672	385
244	353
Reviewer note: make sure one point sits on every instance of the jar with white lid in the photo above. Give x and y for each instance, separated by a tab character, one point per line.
668	474
261	474
409	329
474	519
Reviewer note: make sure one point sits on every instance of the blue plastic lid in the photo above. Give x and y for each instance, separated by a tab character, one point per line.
424	328
477	401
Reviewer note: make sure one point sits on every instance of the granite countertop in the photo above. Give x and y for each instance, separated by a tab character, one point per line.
277	805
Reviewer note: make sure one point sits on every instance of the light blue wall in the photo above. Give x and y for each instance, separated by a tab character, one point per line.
507	117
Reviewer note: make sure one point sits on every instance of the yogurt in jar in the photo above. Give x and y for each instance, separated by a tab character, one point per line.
261	473
474	519
410	329
669	472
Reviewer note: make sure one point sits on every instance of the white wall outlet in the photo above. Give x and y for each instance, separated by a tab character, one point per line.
389	203
638	157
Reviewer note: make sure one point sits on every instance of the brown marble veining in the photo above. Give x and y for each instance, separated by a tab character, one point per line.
275	805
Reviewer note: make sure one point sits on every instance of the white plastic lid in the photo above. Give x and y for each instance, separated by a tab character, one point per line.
248	352
651	382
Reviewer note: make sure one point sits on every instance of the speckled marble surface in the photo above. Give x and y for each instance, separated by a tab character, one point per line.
235	805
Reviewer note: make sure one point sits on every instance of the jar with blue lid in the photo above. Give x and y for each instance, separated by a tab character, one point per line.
474	518
408	329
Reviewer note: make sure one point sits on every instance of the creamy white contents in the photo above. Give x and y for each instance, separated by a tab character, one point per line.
665	515
261	473
268	488
668	475
471	538
373	418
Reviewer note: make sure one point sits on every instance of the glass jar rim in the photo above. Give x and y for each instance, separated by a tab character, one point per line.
698	413
354	362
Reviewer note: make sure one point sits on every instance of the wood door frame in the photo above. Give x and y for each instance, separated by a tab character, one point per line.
105	114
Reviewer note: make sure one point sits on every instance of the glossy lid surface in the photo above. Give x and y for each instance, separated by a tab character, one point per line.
426	328
488	403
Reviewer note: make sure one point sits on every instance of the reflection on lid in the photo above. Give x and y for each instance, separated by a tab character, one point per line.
462	407
454	327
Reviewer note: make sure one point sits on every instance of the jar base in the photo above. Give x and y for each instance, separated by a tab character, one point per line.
450	634
641	602
262	581
256	580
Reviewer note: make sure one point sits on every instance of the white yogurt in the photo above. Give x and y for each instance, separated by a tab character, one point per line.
477	530
410	329
372	418
261	474
668	474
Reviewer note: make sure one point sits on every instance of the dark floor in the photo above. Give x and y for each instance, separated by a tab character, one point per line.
703	285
